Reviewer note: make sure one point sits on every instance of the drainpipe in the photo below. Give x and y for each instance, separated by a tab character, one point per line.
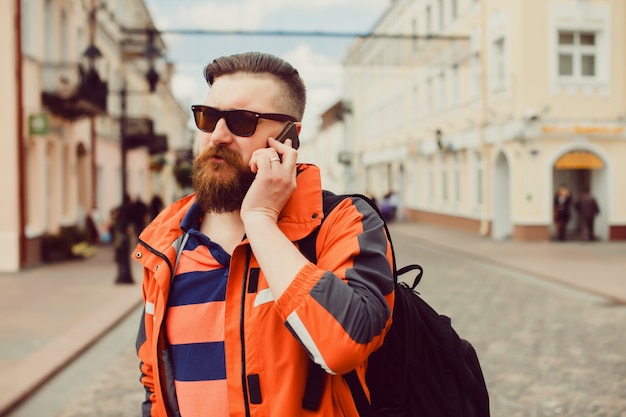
92	121
94	165
484	229
20	135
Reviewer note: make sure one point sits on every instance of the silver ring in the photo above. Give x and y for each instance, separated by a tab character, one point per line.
274	159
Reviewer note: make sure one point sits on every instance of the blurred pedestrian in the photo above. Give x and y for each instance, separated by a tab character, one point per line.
389	206
156	205
562	211
138	213
587	208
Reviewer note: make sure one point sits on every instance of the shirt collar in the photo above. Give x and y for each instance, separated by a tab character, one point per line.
193	218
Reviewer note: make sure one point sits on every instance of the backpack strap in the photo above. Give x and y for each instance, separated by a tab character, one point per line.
306	245
330	201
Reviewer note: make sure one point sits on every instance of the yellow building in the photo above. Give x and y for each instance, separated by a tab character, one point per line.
475	111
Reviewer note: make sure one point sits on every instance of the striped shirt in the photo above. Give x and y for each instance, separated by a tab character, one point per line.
195	323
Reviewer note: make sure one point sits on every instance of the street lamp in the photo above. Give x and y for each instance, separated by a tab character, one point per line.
151	53
124	274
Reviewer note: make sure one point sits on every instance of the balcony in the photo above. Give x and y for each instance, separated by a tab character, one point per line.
158	145
71	92
139	132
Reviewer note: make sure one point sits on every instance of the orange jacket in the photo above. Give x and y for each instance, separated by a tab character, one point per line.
336	311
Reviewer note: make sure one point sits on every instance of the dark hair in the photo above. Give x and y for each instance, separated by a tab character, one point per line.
261	63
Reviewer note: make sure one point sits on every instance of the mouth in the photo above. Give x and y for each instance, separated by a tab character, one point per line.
217	160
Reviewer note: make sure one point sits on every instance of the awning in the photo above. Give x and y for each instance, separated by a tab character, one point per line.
579	160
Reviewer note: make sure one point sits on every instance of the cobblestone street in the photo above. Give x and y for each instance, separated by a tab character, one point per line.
546	349
114	393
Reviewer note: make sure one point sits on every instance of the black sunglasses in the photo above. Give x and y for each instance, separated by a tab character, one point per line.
239	122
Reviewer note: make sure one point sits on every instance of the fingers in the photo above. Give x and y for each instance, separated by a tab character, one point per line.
285	151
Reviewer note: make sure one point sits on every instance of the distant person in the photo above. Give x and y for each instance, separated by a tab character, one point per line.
562	211
138	213
587	208
156	205
389	206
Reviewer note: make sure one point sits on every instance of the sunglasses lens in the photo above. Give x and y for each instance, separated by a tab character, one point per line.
241	122
206	118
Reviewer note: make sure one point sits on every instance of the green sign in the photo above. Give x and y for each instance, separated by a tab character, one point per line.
38	124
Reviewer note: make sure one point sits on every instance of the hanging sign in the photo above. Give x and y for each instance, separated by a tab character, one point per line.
38	124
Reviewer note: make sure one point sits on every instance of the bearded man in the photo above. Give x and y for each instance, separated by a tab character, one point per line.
234	312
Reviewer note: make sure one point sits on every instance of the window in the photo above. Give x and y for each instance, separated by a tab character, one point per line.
442	90
414	28
442	17
454	9
456	84
28	30
577	52
499	64
50	32
476	76
64	38
429	27
478	179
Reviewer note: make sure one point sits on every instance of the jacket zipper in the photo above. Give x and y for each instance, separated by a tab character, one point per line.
244	382
160	365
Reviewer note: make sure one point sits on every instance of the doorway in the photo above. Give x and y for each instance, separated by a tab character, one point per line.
578	170
502	224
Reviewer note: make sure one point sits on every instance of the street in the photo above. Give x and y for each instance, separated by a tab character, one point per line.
545	349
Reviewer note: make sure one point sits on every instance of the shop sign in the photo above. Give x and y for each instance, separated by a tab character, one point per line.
38	124
579	160
583	130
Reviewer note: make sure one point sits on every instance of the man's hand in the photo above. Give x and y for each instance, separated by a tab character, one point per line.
275	181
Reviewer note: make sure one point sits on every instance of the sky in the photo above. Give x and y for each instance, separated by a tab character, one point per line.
318	59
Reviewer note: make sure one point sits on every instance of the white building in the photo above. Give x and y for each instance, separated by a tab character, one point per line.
479	109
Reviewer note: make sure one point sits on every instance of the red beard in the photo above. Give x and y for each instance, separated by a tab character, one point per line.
220	186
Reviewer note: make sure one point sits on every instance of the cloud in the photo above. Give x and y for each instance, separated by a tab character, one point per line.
217	15
323	78
189	90
317	59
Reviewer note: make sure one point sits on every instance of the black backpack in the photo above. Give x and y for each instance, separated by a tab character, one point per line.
423	368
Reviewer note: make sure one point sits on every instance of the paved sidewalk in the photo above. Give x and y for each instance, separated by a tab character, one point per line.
596	267
52	313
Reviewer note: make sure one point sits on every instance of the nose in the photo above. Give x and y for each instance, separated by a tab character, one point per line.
221	135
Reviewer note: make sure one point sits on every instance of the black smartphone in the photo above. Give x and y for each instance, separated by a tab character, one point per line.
289	132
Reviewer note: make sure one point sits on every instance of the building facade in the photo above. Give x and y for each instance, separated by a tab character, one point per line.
475	111
11	232
329	149
81	83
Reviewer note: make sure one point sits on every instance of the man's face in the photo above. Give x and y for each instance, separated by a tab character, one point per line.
221	175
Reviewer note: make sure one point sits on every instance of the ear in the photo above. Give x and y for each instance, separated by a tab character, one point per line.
298	126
